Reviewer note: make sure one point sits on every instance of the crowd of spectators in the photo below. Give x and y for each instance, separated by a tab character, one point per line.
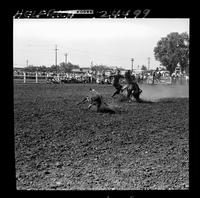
147	77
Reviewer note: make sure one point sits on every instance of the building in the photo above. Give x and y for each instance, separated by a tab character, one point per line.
85	69
76	71
137	71
18	68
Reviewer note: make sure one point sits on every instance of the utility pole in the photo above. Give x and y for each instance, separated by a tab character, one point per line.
66	58
148	63
56	55
132	59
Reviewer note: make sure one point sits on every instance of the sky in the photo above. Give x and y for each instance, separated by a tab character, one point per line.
111	42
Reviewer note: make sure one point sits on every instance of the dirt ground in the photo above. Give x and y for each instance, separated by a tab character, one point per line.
62	146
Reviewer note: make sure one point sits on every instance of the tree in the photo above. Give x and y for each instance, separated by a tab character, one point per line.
63	67
67	67
173	50
100	68
144	68
54	68
31	68
42	68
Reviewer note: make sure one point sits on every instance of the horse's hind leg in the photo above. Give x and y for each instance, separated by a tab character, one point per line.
137	97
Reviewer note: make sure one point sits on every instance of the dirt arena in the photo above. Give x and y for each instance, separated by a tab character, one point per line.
62	146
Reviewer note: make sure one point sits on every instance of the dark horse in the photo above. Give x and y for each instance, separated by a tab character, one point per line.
132	87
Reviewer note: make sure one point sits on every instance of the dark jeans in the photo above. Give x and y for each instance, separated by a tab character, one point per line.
118	88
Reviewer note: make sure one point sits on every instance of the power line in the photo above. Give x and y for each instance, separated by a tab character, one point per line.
90	54
75	50
96	53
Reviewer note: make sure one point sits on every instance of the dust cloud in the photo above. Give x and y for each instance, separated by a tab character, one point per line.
156	92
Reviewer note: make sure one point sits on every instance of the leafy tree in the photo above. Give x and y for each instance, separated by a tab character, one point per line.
54	68
173	50
63	67
144	68
100	68
31	68
42	68
67	67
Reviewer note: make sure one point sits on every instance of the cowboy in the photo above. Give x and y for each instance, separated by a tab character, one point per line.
96	99
116	83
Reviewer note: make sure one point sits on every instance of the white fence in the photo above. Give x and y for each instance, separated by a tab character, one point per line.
37	77
25	77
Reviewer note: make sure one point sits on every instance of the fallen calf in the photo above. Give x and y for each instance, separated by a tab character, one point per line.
96	99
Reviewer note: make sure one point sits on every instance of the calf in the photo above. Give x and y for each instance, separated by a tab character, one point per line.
96	99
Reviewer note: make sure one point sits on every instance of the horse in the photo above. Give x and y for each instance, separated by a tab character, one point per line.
131	91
